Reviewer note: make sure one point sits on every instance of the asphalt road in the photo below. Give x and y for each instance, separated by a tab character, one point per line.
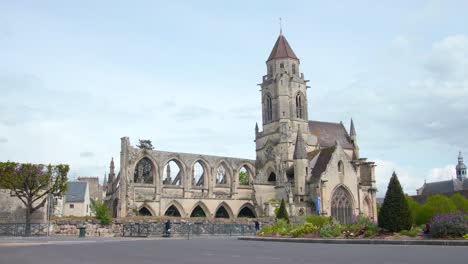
224	251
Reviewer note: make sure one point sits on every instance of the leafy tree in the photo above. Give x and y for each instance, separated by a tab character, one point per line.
424	215
440	204
243	178
414	208
282	212
145	144
460	202
395	214
101	211
33	183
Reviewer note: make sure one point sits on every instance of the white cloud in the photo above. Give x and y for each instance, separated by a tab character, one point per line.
384	171
441	174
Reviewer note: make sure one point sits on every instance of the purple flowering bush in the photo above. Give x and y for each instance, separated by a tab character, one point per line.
449	225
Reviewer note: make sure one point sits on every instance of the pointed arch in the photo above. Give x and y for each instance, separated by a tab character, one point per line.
199	173
223	173
144	170
247	210
223	211
342	205
268	108
173	172
200	210
145	210
177	206
300	105
245	175
367	207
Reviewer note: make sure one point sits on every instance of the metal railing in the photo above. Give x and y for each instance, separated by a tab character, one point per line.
188	229
19	229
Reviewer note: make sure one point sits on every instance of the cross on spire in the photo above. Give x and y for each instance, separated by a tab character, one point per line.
281	26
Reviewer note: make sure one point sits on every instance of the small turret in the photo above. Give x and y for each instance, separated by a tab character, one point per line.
256	129
353	137
300	151
352	131
300	166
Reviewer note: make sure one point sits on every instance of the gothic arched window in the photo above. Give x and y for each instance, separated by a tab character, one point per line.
299	106
198	175
143	171
221	175
172	174
340	167
342	206
269	109
244	176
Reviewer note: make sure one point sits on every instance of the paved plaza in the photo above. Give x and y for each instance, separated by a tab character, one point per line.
218	250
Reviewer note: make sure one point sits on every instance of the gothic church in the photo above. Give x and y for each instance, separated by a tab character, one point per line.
314	166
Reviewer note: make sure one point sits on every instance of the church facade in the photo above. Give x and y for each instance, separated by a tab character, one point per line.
314	166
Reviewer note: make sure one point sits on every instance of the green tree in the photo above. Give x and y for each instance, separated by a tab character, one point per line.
282	212
414	208
243	178
395	214
33	184
424	215
460	202
101	211
440	204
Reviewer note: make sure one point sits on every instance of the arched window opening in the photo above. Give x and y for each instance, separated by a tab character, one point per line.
198	175
198	212
144	212
342	206
299	106
172	211
294	69
246	212
272	177
244	176
340	167
221	213
221	175
270	70
144	171
269	109
172	174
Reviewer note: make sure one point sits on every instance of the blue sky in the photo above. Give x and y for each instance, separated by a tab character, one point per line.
75	76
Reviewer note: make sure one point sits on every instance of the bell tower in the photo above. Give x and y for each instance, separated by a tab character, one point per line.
284	111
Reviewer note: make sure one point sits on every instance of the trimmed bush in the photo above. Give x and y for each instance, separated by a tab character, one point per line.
395	214
414	208
282	212
449	225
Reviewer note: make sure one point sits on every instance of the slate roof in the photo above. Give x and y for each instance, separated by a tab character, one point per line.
282	50
76	192
324	156
328	133
438	187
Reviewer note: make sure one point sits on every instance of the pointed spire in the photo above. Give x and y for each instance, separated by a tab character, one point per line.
282	49
112	166
281	26
256	128
300	151
104	182
352	130
460	157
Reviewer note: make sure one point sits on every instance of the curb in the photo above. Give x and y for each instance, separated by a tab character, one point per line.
360	241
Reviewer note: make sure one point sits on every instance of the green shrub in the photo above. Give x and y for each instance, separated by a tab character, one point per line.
395	214
424	215
101	211
440	204
282	212
460	202
449	225
318	220
414	208
412	232
330	231
281	227
301	230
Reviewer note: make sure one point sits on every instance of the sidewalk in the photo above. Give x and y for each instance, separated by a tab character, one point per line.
360	241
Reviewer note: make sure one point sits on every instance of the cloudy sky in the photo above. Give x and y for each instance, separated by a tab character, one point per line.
75	76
